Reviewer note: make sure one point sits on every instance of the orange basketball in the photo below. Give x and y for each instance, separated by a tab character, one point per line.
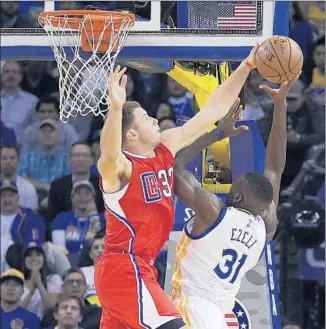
279	59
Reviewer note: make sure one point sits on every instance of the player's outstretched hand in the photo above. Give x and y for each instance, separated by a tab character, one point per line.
251	58
226	125
279	95
117	88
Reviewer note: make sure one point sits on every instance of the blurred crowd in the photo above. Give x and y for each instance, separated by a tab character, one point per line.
52	212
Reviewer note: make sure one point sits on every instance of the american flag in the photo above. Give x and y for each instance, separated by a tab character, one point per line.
239	318
237	16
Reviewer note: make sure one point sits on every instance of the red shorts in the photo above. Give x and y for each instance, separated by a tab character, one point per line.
130	294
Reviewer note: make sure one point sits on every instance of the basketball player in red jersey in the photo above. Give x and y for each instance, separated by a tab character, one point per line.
136	166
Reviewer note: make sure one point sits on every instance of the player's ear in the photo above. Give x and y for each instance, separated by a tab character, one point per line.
237	197
132	134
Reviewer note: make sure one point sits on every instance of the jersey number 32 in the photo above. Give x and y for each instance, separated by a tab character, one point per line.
230	266
157	185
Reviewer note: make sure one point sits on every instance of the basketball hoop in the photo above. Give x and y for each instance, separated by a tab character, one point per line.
86	44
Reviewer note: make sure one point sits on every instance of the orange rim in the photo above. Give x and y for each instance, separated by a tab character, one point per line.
95	23
58	18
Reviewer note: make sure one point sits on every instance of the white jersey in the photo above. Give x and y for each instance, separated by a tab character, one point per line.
213	264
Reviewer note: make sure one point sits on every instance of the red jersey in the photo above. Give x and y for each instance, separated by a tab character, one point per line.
140	217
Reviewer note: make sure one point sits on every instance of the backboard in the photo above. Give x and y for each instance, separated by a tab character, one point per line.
205	30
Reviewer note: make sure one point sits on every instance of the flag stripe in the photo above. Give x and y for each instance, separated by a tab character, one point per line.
241	16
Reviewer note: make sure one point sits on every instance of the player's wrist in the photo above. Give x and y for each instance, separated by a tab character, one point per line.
219	134
247	63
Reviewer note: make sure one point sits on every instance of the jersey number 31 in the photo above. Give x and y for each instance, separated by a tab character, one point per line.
232	265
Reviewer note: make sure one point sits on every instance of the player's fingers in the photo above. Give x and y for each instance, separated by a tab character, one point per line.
124	81
234	108
237	113
266	88
240	130
117	69
121	73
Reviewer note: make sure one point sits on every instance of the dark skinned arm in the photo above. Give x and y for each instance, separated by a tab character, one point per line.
205	204
224	129
276	152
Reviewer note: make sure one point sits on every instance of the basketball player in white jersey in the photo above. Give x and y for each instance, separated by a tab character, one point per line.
223	242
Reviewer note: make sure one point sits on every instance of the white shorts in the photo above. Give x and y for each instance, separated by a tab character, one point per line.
200	313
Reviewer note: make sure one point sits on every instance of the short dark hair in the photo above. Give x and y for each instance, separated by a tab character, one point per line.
260	187
64	298
80	143
71	271
128	115
10	147
48	100
100	234
167	118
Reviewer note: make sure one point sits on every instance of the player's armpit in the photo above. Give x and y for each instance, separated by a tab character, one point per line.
112	171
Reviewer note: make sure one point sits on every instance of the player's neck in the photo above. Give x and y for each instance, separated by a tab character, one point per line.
140	150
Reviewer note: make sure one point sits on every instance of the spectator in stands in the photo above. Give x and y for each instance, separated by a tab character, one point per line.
81	160
55	258
167	123
94	142
37	81
42	289
13	316
74	284
68	313
9	160
17	224
18	106
10	15
8	136
95	250
315	14
302	32
72	228
180	99
48	162
154	87
318	75
165	110
48	108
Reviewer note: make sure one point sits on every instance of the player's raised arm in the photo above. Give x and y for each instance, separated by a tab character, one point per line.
112	163
276	150
224	129
187	188
216	108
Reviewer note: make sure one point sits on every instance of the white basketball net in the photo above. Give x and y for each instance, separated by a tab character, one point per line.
83	80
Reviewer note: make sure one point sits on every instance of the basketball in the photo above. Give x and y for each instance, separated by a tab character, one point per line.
279	59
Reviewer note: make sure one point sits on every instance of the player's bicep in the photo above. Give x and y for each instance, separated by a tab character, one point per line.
270	219
208	205
275	180
183	189
178	138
